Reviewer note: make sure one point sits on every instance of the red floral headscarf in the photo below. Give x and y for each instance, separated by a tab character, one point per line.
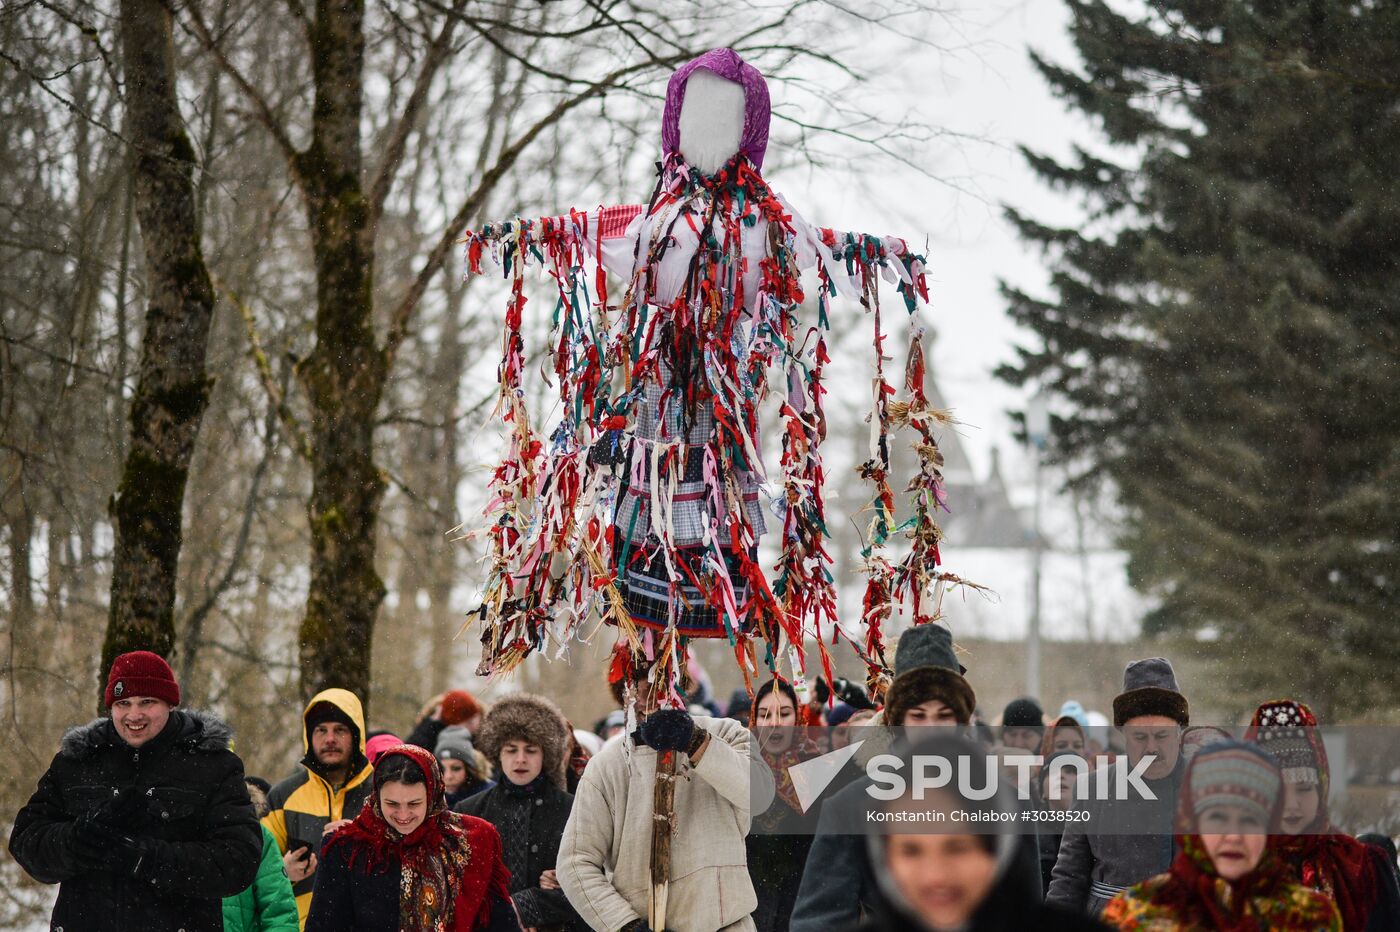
450	865
1326	858
1195	896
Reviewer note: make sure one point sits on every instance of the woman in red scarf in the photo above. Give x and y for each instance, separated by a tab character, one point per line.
781	835
1227	874
1320	855
407	863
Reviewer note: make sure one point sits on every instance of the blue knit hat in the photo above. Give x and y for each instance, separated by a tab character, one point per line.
839	713
1072	709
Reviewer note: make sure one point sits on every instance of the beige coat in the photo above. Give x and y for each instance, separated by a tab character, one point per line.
604	858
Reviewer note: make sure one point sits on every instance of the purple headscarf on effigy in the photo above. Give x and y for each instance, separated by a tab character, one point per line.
727	64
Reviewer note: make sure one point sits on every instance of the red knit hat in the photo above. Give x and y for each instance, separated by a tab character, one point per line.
458	706
141	673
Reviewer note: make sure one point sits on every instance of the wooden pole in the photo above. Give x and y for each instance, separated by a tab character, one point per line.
662	821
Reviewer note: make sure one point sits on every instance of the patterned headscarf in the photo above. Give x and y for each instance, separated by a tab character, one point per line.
726	63
1325	858
450	866
798	752
1193	895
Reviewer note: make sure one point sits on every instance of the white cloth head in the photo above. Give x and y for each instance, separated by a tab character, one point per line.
712	120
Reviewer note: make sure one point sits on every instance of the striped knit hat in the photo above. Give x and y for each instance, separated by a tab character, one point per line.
1232	773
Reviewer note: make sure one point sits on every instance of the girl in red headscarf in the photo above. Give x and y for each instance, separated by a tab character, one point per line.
407	863
1322	856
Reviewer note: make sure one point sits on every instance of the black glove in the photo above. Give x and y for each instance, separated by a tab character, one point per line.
128	855
126	811
853	694
98	846
88	839
667	730
638	925
125	855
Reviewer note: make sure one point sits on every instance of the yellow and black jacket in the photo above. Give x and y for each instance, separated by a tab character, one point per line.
303	803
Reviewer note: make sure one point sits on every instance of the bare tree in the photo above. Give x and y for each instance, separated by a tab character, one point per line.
173	389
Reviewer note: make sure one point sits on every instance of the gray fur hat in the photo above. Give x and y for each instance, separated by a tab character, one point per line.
534	719
926	667
1149	688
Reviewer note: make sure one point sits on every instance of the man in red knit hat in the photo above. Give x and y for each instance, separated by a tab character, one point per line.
143	818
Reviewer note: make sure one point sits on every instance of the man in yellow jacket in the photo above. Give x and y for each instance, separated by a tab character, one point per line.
329	789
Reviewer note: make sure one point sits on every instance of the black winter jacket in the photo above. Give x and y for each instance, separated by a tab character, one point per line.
1006	907
191	813
531	822
355	899
838	883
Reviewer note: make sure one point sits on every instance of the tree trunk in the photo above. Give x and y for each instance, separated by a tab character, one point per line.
19	521
172	390
344	374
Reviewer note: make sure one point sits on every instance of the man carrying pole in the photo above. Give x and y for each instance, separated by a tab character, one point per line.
693	877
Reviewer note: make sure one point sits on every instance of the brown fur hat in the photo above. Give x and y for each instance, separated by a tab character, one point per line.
919	685
531	718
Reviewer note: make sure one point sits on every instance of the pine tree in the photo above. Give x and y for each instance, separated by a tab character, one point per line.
1226	327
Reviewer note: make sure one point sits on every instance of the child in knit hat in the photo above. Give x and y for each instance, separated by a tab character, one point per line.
464	769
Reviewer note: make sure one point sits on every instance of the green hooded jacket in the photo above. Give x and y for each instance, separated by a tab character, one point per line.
268	905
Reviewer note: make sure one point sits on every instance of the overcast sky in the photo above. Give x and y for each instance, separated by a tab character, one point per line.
981	88
980	84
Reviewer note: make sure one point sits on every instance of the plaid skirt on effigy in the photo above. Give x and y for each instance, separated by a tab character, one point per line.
643	575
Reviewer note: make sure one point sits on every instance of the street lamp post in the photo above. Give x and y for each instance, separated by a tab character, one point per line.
1038	435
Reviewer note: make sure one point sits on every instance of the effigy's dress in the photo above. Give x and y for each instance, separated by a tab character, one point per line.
689	511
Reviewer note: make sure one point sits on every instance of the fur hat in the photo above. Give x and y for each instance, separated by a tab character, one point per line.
1149	688
926	668
534	719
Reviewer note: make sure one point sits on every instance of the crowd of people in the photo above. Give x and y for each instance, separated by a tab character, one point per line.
507	817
